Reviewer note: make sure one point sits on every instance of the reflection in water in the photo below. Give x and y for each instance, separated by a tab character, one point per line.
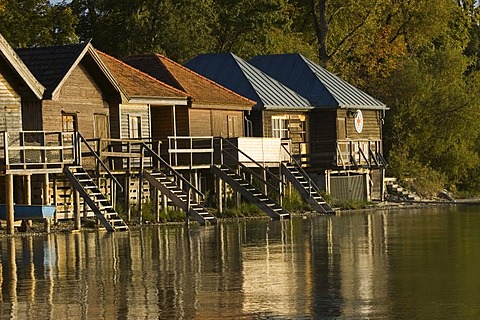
374	265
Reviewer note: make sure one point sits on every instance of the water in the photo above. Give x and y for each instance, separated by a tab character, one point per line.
409	264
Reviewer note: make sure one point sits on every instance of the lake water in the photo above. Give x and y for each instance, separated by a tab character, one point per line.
407	264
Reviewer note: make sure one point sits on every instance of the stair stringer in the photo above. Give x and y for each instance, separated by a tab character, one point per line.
255	196
312	196
114	222
178	196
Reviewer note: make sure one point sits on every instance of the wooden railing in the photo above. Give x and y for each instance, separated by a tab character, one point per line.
359	153
190	151
342	153
29	149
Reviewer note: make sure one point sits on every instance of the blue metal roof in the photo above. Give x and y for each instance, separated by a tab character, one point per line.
241	77
321	87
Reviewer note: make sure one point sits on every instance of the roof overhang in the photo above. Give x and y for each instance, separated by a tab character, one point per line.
287	108
153	101
90	50
219	106
17	64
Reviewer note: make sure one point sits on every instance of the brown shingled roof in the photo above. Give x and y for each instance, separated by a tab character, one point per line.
201	89
139	84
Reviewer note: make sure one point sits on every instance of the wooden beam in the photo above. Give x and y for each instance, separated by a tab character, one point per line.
10	205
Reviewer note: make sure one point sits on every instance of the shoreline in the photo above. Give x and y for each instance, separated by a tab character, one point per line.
67	226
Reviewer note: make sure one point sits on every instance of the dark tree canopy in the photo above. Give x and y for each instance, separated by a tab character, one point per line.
419	57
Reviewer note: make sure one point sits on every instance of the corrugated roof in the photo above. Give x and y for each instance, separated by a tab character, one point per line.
138	84
321	87
243	78
201	89
20	68
51	64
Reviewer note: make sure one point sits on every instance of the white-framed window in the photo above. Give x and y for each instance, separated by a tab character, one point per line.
135	127
280	127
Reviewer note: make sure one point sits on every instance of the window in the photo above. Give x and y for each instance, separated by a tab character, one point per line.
135	127
280	127
69	122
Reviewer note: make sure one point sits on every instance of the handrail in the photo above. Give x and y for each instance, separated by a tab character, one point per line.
253	172
311	183
156	156
99	160
250	158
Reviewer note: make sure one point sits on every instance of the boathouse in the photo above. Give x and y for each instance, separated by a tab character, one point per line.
18	86
217	115
345	129
278	124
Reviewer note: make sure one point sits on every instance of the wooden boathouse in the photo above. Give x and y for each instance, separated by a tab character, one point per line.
219	135
345	143
93	133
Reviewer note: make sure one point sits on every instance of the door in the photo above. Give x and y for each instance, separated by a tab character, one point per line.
101	131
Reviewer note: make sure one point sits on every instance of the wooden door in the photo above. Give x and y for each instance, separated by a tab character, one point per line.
101	130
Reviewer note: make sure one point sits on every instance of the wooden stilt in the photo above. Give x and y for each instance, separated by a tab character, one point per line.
76	210
10	205
164	204
156	205
219	195
46	200
127	197
140	192
55	197
28	194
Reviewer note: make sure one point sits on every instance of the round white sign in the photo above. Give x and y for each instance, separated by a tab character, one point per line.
358	121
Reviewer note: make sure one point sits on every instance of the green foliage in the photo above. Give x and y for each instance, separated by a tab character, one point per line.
422	60
246	209
292	201
37	23
354	204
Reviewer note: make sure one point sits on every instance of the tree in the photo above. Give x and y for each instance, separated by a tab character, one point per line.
36	23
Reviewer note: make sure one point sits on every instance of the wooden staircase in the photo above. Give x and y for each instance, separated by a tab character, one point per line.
95	199
305	187
179	197
250	192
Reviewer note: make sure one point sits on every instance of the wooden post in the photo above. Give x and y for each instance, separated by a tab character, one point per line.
28	194
280	185
164	204
187	214
219	196
265	187
76	209
140	188
238	195
156	205
10	205
126	192
55	196
46	200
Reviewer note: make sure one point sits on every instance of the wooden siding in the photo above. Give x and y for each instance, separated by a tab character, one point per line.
322	131
372	124
181	116
10	107
32	115
162	123
114	120
200	122
79	95
297	128
142	111
227	124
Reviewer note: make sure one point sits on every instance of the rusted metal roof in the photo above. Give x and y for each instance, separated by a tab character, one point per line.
321	87
238	75
139	85
203	91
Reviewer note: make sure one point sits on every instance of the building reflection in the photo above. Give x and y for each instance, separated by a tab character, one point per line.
331	266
